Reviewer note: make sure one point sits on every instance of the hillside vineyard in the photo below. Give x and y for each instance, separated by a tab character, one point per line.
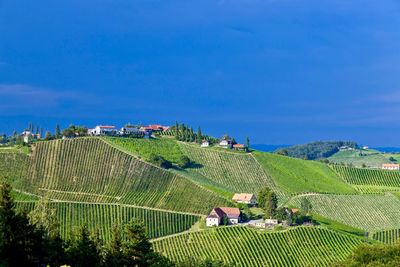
102	181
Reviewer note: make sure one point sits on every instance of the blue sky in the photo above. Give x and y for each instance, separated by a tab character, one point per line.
278	71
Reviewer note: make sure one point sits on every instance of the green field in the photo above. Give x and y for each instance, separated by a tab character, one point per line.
103	216
144	148
367	180
368	212
232	172
89	170
299	176
371	158
243	246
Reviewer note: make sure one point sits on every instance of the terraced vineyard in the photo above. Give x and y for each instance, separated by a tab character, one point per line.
233	172
389	236
300	176
243	246
89	170
369	212
14	166
382	179
102	216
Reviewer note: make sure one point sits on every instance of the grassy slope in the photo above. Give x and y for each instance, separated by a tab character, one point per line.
229	172
299	246
103	216
371	158
90	170
168	148
368	212
297	176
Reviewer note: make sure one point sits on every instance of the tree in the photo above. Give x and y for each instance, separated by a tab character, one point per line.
82	250
48	136
283	152
115	256
271	205
199	136
160	161
17	238
247	142
263	196
392	159
137	247
306	206
58	132
184	162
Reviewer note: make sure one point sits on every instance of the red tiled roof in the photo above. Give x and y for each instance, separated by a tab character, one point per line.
242	197
107	126
295	210
238	146
390	165
231	211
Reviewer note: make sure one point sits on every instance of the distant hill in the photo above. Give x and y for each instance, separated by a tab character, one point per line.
268	148
315	150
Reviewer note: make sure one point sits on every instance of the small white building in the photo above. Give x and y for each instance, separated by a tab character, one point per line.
205	144
391	166
103	130
271	222
225	143
129	130
245	198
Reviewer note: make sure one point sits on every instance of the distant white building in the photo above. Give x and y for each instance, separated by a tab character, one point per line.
391	166
263	223
103	130
205	144
271	222
129	130
225	142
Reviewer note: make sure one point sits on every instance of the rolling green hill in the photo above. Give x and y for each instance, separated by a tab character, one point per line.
371	158
103	216
369	212
295	176
299	246
89	170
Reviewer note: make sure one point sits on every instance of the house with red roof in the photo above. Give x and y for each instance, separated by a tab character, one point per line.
239	147
217	216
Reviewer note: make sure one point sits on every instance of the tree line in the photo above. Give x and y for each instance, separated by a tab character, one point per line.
34	240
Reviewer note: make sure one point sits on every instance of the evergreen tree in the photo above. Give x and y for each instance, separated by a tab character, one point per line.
82	250
115	257
137	247
247	142
41	133
199	136
306	206
58	132
48	136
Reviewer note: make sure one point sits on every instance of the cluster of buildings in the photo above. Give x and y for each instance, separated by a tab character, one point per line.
29	136
226	215
226	142
127	130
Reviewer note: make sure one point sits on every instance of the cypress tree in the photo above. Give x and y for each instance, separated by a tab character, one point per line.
58	132
199	136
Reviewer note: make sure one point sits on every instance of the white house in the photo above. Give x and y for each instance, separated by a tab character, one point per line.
103	130
205	144
129	130
217	214
225	142
391	166
249	199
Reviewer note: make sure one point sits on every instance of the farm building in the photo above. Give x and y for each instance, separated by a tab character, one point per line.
249	199
263	223
29	136
129	130
103	130
205	144
155	128
391	166
239	147
217	214
225	142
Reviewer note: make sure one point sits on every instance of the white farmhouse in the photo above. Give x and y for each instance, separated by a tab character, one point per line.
217	214
103	130
129	130
205	144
